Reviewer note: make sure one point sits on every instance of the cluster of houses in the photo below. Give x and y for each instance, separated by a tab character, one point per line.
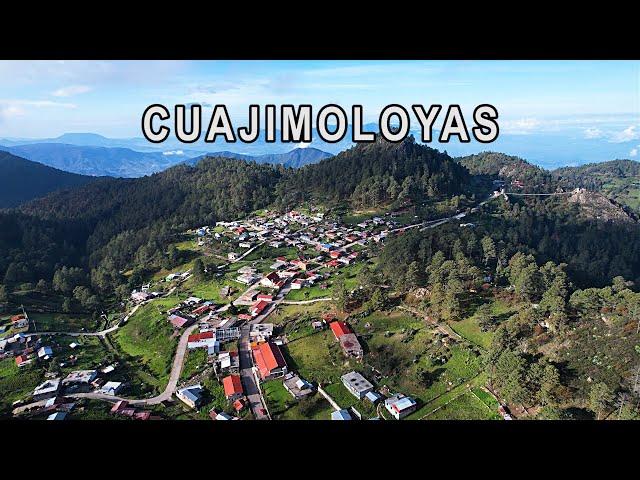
51	392
194	396
123	409
398	405
189	311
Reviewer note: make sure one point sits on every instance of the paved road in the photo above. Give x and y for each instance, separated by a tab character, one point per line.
306	302
249	381
174	377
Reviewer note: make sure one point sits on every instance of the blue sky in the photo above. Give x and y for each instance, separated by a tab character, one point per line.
596	99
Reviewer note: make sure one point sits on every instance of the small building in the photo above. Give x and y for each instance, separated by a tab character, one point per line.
229	362
202	340
179	322
45	353
298	283
232	387
297	386
80	377
119	406
269	360
351	346
373	397
192	395
260	332
57	416
356	384
400	405
232	256
339	328
341	415
258	307
271	280
140	297
111	388
23	360
47	389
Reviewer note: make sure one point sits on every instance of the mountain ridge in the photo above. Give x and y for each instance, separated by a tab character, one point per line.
22	180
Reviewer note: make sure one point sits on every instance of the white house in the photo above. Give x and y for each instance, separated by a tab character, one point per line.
400	405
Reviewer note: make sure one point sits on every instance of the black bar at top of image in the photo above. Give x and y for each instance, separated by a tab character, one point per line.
376	33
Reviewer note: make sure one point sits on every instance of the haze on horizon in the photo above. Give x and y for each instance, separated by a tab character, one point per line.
574	107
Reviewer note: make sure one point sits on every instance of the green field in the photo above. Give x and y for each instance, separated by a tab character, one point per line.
345	399
195	362
318	358
147	338
282	405
467	406
469	329
310	293
16	383
288	313
62	322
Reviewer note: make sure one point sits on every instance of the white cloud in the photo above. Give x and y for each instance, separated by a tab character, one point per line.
9	111
628	134
71	90
303	145
633	152
522	126
173	152
593	132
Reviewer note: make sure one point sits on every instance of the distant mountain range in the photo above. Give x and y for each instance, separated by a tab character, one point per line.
22	180
547	149
125	162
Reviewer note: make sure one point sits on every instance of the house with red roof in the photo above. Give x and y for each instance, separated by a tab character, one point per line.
348	340
269	361
202	309
301	264
333	264
258	307
179	322
22	360
244	316
239	404
339	328
335	254
270	280
298	283
232	387
202	340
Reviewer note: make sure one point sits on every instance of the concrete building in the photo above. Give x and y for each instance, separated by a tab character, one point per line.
351	346
47	389
80	377
356	384
260	332
297	386
111	388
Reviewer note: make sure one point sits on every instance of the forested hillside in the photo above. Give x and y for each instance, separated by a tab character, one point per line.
618	179
516	170
111	223
370	175
23	180
114	225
